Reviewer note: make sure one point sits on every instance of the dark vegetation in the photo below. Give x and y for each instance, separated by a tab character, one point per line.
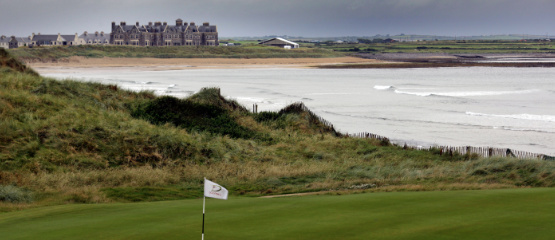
193	116
448	47
432	64
68	141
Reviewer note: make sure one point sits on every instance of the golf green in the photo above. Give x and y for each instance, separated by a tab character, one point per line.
486	214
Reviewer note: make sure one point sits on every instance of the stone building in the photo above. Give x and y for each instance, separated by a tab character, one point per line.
162	34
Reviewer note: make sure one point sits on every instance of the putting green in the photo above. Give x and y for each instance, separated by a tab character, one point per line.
486	214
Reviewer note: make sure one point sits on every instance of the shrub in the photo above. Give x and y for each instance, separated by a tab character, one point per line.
192	116
14	194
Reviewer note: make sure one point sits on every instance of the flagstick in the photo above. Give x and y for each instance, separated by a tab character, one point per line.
203	206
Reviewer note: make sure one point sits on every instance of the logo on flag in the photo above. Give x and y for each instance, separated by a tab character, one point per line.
214	190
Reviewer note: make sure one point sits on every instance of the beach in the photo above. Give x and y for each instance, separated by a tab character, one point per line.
199	63
397	60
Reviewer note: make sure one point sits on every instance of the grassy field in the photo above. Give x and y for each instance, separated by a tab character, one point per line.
485	214
451	47
249	51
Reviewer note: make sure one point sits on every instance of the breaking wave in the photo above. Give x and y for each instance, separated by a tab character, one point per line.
545	118
516	129
465	94
380	87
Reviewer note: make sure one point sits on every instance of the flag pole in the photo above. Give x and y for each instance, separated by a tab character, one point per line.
203	209
203	206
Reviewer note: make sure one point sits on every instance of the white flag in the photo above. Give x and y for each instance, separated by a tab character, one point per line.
214	190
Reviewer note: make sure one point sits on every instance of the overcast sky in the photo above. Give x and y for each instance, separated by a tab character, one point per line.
308	18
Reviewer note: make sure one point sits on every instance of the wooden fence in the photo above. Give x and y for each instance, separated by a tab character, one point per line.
480	151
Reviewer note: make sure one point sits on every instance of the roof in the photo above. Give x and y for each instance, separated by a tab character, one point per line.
68	37
279	39
45	38
171	28
211	28
99	37
23	39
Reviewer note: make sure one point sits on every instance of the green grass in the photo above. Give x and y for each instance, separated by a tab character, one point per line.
487	214
248	51
253	50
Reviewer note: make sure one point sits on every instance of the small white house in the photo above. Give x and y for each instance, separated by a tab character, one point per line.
4	42
56	40
280	42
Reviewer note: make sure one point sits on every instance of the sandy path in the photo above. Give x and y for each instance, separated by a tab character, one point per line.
184	63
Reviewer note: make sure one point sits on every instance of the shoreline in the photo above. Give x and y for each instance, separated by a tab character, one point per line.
197	63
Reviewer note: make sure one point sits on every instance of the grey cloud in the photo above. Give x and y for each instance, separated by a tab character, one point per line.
291	17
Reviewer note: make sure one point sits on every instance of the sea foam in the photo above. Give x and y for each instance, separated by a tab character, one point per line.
466	94
524	116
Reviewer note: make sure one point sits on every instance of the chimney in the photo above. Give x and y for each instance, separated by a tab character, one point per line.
178	22
122	23
157	23
192	23
165	23
206	24
150	24
3	37
96	33
102	33
86	33
137	24
113	26
185	24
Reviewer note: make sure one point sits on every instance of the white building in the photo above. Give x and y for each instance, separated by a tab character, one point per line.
95	39
280	42
56	40
4	42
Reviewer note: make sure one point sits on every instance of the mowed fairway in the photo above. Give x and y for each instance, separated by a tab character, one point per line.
487	214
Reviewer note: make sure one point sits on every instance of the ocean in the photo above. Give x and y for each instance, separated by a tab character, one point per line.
464	106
